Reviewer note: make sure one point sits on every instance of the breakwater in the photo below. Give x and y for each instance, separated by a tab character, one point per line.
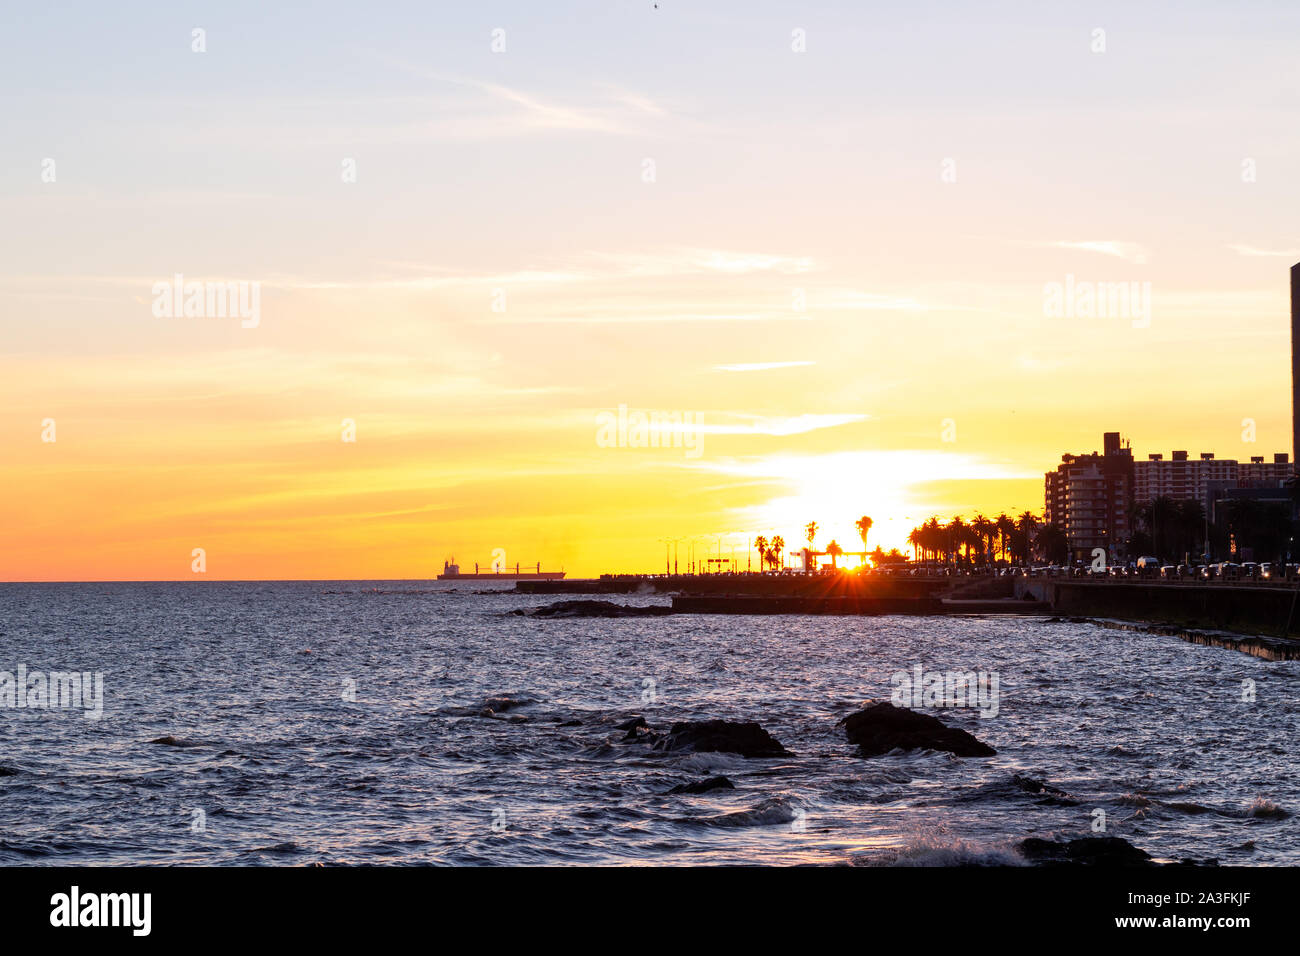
847	604
764	585
1263	611
1268	648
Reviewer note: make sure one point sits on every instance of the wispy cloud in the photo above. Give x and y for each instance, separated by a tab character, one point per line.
793	425
689	260
759	366
1244	250
617	111
1129	251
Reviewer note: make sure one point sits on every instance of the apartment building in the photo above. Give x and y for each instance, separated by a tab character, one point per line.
1090	498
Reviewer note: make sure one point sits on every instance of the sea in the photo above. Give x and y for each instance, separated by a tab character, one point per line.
418	723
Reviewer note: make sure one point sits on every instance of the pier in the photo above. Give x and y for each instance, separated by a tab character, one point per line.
1255	619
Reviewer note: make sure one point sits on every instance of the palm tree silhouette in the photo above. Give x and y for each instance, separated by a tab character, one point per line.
863	525
834	550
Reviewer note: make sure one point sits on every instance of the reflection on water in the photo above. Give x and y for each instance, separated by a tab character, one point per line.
345	723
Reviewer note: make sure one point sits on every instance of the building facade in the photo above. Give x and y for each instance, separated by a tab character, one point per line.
1182	478
1090	498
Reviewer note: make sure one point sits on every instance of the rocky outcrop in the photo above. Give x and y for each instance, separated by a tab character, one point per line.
704	786
1086	851
595	609
882	727
747	739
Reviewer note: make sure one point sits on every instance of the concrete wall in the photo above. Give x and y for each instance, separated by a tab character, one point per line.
1244	609
1037	589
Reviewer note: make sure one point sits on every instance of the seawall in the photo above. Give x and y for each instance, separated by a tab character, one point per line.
1242	609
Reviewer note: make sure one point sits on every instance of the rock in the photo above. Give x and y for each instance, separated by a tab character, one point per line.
499	705
599	609
704	786
882	727
170	741
1052	796
747	739
1086	851
637	729
1030	785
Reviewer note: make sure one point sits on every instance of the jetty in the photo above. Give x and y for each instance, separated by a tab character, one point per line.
1260	620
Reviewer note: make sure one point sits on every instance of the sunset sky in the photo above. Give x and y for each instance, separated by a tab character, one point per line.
627	206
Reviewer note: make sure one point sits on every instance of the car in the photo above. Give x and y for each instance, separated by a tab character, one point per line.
1168	572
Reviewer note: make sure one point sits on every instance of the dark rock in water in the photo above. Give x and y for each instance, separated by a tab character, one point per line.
170	741
599	609
747	738
704	786
1195	809
499	705
1052	796
1086	851
1030	785
882	727
637	729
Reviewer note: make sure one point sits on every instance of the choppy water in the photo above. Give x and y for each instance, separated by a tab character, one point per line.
255	680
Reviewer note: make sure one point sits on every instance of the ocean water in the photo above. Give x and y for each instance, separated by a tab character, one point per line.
342	723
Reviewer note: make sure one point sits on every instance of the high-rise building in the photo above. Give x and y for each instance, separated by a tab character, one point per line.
1295	363
1090	498
1182	478
1261	474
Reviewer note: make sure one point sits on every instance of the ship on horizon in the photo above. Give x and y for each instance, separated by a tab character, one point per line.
452	572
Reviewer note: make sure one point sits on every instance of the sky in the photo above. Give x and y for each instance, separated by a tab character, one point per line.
850	253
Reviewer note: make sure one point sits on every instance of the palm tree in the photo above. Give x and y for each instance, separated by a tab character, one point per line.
983	530
958	537
761	544
1006	528
863	525
914	538
834	550
810	532
935	538
1054	545
778	550
1025	527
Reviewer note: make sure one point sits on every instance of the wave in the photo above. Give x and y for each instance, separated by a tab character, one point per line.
944	850
769	812
709	763
1265	809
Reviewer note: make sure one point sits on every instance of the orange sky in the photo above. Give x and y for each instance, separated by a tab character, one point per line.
846	290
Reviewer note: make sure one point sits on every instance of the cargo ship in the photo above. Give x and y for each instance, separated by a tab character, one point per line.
452	572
